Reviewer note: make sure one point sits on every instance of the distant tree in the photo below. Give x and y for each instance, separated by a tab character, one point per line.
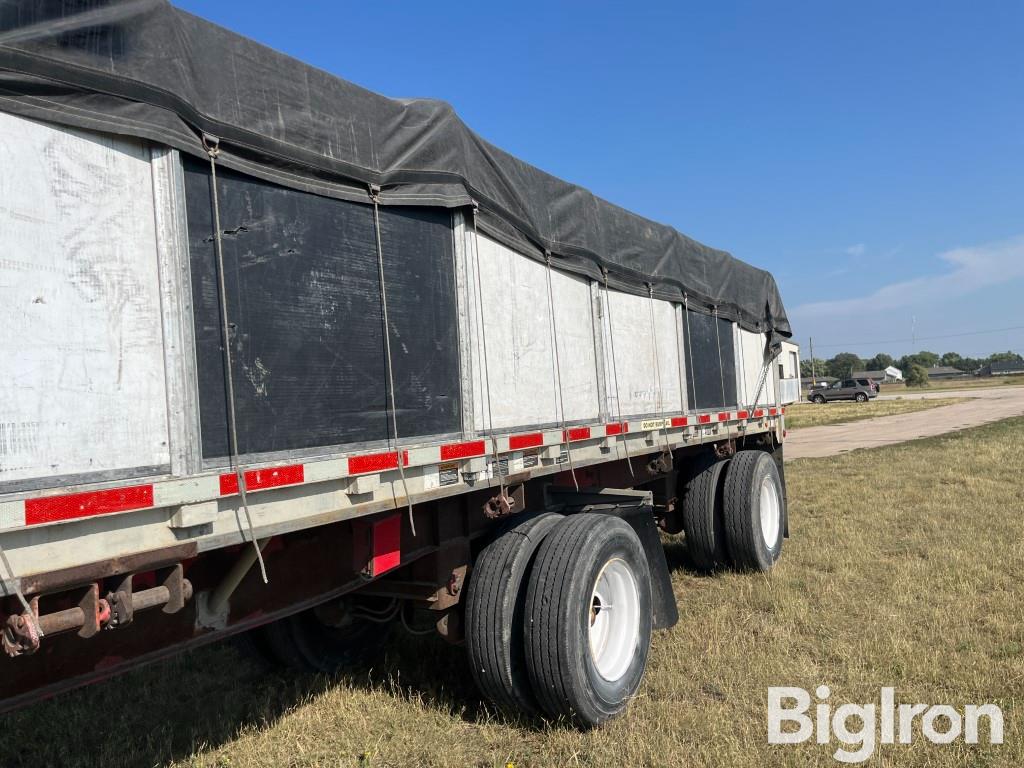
879	362
1005	357
924	359
844	364
820	368
951	359
968	364
917	376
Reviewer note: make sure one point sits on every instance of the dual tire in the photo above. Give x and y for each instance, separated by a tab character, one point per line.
558	617
559	609
734	514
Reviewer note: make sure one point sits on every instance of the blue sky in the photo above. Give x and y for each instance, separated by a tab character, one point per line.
870	154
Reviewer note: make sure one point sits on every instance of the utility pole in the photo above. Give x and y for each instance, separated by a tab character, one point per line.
814	375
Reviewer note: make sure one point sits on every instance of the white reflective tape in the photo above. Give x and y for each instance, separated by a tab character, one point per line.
191	490
328	469
12	514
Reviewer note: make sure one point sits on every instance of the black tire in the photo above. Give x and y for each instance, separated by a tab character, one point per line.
751	545
861	397
818	399
561	607
316	641
703	522
495	600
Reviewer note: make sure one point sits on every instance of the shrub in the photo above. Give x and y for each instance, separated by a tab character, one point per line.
917	376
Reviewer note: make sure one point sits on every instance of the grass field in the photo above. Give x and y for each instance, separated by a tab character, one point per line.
906	568
980	382
801	415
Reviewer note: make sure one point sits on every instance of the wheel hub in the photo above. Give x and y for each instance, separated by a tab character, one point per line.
614	620
770	509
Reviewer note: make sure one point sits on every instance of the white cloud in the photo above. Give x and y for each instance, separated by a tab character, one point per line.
971	269
856	250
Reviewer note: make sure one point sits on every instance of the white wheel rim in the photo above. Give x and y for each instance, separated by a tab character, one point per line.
771	509
614	617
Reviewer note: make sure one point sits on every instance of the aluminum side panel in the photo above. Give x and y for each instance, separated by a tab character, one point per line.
644	351
84	391
513	354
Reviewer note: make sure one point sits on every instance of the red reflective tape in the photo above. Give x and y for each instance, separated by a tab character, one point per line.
257	479
783	410
773	411
742	414
54	508
704	418
532	440
612	429
679	421
576	433
723	417
376	462
462	450
759	413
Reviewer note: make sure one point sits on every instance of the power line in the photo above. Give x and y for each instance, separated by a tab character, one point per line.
923	338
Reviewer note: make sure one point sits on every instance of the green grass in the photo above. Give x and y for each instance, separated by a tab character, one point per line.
801	415
906	568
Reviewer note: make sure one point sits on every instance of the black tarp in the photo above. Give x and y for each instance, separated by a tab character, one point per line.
304	299
144	68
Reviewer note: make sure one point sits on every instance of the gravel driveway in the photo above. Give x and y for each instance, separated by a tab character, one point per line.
985	405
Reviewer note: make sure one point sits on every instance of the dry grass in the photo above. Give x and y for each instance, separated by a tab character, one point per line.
801	415
980	382
906	568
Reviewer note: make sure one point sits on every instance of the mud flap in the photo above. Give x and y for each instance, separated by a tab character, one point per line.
635	508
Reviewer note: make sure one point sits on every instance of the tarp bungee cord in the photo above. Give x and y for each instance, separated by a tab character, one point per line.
487	370
560	405
615	372
399	454
212	147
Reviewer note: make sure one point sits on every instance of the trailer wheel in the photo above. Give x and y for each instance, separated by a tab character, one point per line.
703	522
753	509
327	638
588	619
495	598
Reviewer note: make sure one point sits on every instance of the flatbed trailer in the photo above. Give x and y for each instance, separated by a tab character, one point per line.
244	399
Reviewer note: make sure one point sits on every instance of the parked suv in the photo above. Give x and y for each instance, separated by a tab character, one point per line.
860	390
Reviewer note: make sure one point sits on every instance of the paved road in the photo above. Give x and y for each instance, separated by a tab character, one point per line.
985	405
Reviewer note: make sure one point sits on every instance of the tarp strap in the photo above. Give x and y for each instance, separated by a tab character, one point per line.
762	378
212	146
558	370
718	342
399	458
692	380
483	342
615	369
660	401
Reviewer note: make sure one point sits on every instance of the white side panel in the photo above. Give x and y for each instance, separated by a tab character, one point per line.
520	364
749	359
789	381
83	389
637	358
